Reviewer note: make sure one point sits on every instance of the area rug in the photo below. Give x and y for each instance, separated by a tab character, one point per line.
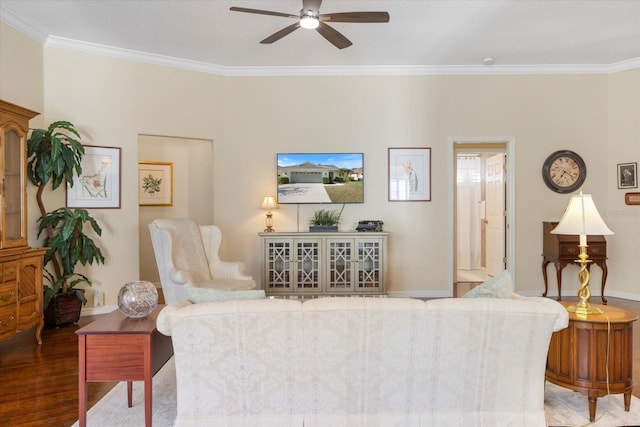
564	408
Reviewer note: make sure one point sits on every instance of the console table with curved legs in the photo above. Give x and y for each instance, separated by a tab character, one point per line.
562	250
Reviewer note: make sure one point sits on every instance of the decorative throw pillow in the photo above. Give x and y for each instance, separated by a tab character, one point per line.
197	295
499	286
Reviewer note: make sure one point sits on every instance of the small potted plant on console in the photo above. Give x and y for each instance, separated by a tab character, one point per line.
325	220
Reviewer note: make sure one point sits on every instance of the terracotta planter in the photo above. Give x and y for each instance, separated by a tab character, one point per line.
63	309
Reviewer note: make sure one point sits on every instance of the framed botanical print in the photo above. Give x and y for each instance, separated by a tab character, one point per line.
409	174
98	186
155	183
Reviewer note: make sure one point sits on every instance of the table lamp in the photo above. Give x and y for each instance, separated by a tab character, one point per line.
581	218
269	203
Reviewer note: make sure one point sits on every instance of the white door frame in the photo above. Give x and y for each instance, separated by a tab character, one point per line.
511	211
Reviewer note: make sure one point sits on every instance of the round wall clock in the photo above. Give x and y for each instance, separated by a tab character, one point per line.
564	171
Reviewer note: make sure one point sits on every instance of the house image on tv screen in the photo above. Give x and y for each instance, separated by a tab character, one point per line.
309	173
320	178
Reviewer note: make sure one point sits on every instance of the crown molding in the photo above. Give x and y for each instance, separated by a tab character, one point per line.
22	26
625	65
378	70
132	55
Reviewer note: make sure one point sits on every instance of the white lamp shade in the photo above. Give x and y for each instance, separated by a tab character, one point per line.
269	203
582	218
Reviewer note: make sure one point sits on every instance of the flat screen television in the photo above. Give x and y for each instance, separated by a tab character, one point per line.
320	177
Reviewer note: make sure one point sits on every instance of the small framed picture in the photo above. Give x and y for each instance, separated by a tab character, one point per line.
409	174
627	175
98	187
155	183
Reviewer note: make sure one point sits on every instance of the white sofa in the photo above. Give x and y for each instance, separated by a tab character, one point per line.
362	361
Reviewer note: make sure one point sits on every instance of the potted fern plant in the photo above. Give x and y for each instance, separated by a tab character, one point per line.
54	157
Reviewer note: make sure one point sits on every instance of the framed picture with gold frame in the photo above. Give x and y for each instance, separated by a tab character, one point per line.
155	183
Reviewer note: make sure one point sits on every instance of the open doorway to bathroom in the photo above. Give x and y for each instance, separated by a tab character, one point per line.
480	212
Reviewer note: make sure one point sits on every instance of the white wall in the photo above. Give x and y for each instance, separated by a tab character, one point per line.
623	146
21	70
252	118
112	102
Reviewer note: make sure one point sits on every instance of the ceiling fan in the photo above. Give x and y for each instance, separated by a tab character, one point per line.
311	18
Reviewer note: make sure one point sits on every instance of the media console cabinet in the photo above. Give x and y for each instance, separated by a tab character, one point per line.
324	263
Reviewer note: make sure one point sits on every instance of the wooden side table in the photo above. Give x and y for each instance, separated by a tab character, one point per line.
118	348
577	357
562	250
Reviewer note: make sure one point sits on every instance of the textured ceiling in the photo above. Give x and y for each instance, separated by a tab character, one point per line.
420	33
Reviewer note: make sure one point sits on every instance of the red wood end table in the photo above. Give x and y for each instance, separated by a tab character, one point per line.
118	348
577	357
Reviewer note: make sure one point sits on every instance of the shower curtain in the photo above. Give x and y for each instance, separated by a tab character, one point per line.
469	179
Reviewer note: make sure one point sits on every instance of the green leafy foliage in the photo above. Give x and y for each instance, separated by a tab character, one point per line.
54	156
56	285
69	240
325	217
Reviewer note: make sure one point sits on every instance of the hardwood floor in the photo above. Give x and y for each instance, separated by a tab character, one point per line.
40	382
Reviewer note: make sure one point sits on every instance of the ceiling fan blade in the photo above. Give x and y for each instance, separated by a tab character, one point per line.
333	36
262	12
280	34
355	17
311	4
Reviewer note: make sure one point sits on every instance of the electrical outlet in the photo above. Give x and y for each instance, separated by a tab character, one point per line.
98	296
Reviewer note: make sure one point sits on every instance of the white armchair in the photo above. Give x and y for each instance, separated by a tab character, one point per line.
187	255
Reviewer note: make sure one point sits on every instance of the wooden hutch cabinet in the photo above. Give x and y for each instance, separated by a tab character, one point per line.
21	291
320	264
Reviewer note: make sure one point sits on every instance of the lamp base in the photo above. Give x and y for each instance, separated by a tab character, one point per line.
583	309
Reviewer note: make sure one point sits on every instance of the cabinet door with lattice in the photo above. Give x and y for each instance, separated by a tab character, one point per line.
370	273
341	259
308	276
292	265
278	268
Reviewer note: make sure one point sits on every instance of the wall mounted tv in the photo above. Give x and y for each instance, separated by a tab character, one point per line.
320	177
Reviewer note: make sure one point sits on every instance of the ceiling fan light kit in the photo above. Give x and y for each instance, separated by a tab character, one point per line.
309	21
310	18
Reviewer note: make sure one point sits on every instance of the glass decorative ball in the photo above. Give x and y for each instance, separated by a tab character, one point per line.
138	299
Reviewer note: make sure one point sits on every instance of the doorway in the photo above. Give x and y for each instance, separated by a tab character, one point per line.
481	214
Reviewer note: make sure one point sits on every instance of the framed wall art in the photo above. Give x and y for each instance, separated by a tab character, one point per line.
155	183
98	187
409	174
627	175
